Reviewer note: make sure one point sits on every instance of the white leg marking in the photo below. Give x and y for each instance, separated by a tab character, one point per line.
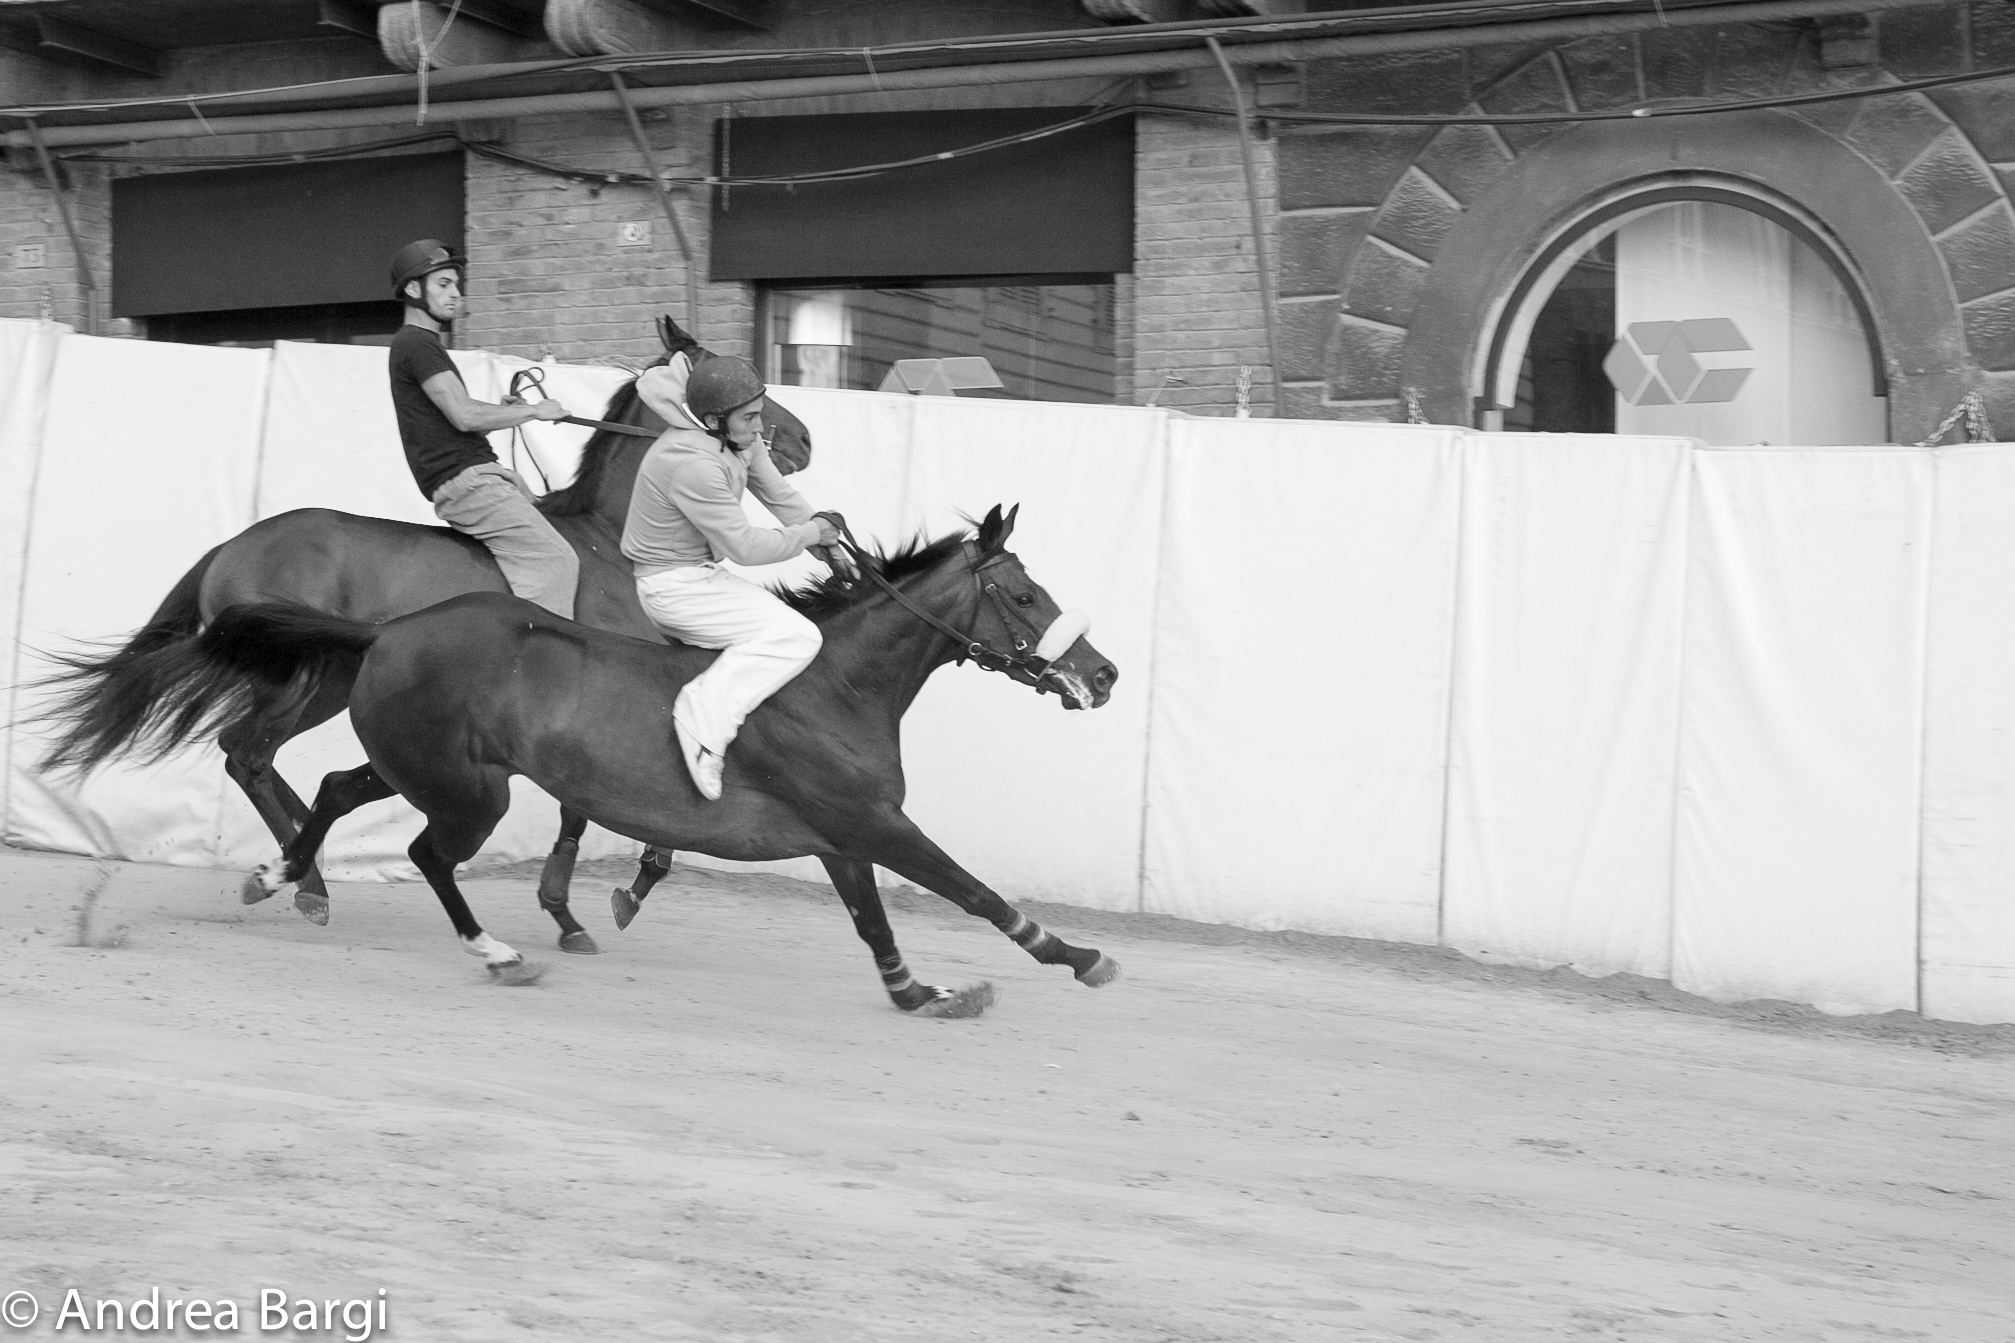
493	952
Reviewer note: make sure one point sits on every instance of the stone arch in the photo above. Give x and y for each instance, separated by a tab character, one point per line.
1903	273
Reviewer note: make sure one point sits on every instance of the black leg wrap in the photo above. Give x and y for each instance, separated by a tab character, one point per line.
658	860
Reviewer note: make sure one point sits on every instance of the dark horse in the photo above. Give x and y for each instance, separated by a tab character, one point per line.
370	569
451	702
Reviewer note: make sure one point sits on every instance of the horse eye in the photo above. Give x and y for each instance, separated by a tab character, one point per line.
1024	599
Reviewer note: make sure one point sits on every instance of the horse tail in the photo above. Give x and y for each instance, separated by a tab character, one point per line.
261	660
106	698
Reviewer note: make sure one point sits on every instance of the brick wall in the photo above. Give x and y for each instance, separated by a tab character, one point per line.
548	272
1196	313
30	217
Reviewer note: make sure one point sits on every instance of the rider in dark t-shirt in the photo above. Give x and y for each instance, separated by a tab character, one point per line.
443	428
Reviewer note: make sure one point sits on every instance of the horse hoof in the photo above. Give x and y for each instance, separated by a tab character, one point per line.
254	890
624	906
954	1004
578	943
1102	971
314	908
519	974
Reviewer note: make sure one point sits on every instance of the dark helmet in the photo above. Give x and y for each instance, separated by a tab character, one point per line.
722	383
417	260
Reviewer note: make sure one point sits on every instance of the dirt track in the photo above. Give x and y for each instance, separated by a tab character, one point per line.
719	1130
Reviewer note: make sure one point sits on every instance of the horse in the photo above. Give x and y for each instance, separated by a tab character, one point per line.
451	702
371	570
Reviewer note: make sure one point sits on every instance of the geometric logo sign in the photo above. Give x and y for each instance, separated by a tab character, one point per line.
1652	363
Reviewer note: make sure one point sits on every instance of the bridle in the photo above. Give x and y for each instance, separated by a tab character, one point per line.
1022	665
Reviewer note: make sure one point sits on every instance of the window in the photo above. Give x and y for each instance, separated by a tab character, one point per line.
1705	314
1046	342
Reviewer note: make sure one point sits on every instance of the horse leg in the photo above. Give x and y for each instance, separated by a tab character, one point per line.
341	793
855	881
249	747
898	845
557	875
651	869
452	839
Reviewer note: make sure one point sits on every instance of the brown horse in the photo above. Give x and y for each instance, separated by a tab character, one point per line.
371	570
453	701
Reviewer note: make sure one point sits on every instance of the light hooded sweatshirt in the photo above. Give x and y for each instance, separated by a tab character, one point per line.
686	507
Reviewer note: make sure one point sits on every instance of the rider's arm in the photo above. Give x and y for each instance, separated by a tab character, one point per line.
471	416
700	490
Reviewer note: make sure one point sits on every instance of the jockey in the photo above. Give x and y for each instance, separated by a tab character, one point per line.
685	517
443	430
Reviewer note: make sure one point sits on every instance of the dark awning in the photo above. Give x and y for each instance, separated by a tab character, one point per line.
1062	204
276	237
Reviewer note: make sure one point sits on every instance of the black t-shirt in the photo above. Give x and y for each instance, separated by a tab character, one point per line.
435	449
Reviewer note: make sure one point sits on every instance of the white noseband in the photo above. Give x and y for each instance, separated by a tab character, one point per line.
1064	631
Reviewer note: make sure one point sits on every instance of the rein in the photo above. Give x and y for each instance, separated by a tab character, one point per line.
1021	665
536	379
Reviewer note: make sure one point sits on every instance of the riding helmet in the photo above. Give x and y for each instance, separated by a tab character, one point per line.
417	260
721	384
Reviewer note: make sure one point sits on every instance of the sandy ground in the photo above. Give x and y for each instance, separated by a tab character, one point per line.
719	1130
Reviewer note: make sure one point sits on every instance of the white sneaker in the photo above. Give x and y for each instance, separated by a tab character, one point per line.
702	762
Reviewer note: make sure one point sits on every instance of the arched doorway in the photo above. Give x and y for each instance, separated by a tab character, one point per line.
1697	309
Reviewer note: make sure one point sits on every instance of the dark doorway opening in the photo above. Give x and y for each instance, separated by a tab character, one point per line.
1561	386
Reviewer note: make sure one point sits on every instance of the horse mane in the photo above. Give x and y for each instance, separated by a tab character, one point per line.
828	596
578	496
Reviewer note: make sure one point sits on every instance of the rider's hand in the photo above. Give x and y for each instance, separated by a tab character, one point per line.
829	535
549	410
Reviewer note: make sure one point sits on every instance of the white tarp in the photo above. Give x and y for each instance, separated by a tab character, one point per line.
1034	800
1743	716
1800	740
1566	718
27	349
1300	714
1968	922
148	457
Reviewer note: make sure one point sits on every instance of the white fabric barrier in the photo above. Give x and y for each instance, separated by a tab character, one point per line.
1801	727
1566	718
1746	717
1968	920
1036	801
133	487
1300	713
27	351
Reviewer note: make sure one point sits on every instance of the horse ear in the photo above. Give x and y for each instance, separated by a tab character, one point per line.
674	336
996	529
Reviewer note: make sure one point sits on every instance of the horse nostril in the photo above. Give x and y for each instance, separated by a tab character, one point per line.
1103	678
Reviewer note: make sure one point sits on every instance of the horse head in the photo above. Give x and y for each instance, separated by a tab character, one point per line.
790	440
1017	613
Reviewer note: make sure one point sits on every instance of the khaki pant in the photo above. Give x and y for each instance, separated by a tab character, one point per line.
489	502
763	644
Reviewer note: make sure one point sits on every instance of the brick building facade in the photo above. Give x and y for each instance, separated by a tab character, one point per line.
1395	247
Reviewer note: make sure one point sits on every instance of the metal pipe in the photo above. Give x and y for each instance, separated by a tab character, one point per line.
84	275
664	194
1261	254
967	76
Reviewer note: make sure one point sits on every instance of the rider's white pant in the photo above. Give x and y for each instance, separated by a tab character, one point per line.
763	644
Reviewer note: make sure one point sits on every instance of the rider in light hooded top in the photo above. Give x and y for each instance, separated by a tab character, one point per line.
685	518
